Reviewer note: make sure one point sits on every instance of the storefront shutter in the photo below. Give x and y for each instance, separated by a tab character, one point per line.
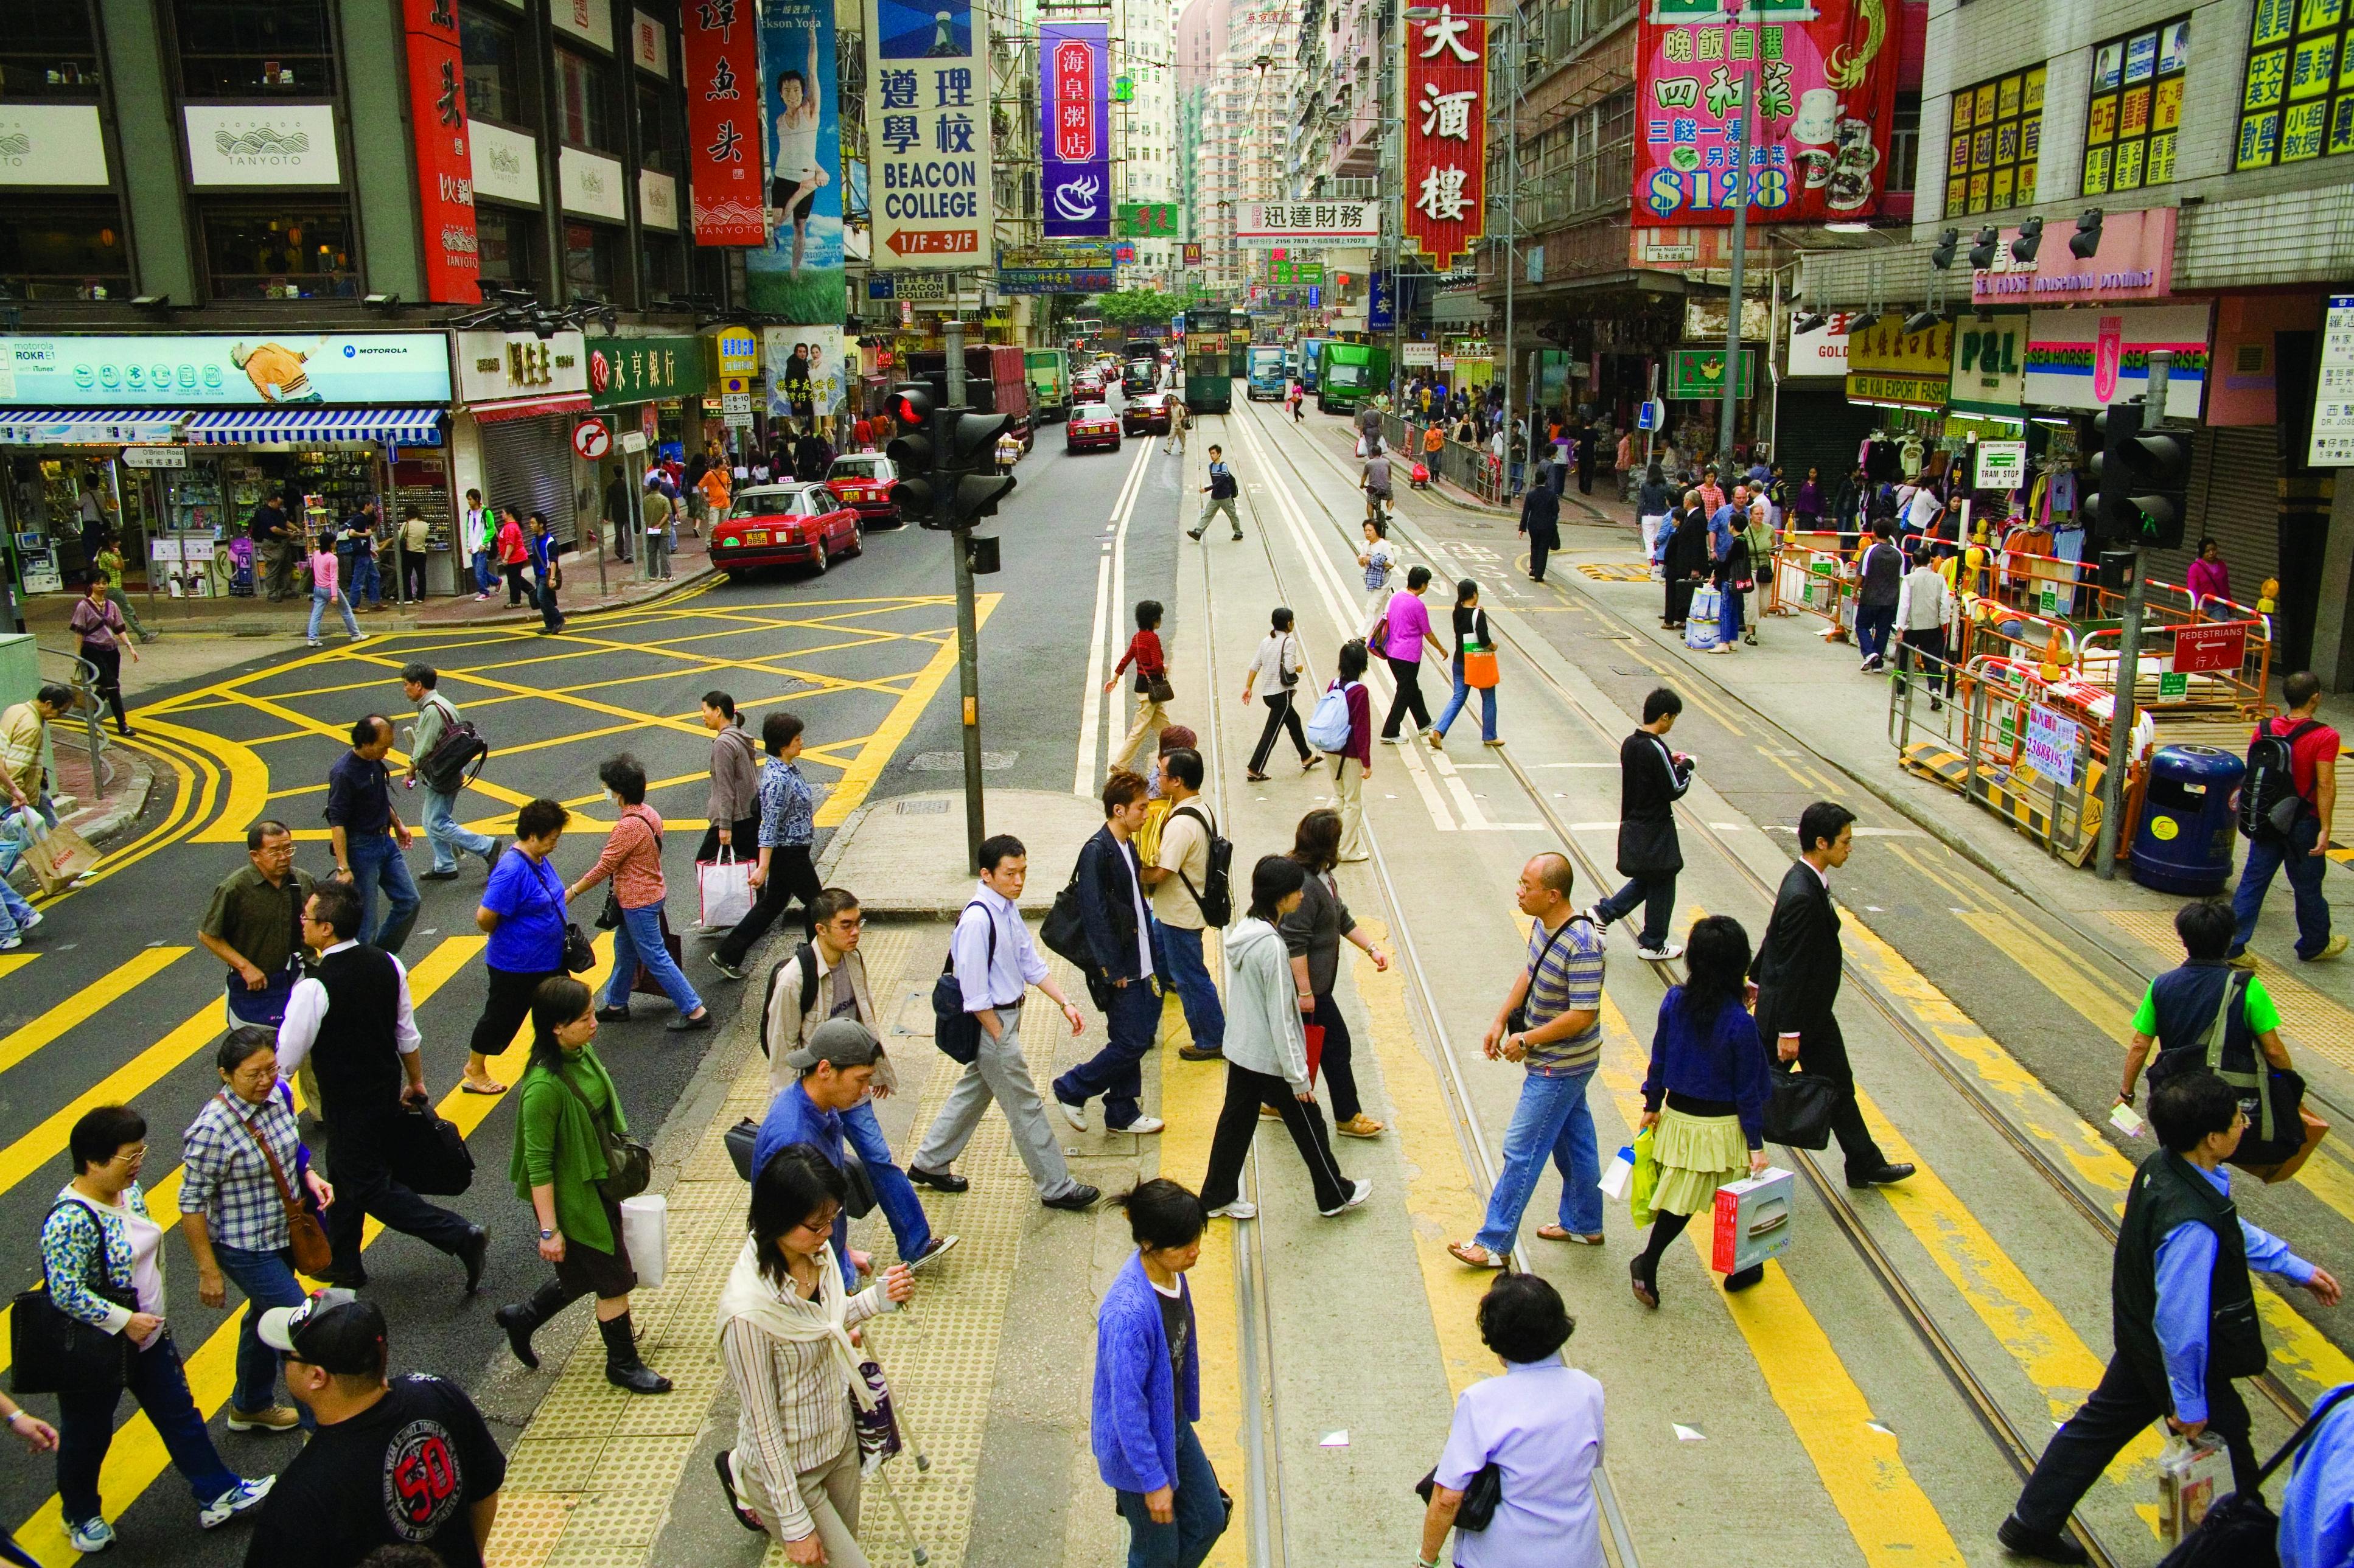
2234	496
1819	429
527	464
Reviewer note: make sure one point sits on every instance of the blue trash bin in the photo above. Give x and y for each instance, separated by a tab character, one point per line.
2183	843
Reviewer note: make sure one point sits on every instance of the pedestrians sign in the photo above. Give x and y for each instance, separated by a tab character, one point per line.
2220	648
591	439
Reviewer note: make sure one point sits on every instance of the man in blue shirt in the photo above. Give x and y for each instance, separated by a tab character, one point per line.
2182	1314
370	836
1733	514
2317	1513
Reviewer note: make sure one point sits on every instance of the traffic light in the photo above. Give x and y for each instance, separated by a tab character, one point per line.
2144	477
1941	255
1982	249
974	487
911	453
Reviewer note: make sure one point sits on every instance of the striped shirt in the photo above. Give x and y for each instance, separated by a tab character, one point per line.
227	1179
1565	976
794	1404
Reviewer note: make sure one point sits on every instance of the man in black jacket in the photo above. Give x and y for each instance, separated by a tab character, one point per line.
1541	521
1798	975
1120	978
1651	779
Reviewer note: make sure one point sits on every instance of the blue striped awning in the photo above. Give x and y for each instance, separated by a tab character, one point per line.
87	426
310	426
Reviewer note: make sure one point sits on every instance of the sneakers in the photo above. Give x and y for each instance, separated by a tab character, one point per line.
1238	1210
1143	1126
498	847
2244	961
10	942
2329	950
1359	1126
276	1418
1661	955
239	1498
1076	1114
90	1535
1359	1191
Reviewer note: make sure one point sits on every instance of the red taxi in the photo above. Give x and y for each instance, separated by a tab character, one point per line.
862	481
784	526
1092	424
1146	413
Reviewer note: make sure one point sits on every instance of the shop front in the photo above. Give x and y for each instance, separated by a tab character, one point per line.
648	386
520	397
1815	426
1904	378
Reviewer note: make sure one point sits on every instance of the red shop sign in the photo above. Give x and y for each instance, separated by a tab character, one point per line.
445	167
2210	647
720	47
1445	134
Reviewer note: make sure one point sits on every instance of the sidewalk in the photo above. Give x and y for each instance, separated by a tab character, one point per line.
101	816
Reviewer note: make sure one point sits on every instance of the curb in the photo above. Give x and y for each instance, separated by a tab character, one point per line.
113	817
382	625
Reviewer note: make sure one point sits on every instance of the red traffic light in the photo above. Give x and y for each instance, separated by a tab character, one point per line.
912	404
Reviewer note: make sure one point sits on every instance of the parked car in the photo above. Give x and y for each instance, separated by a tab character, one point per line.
784	526
1146	413
862	481
1091	424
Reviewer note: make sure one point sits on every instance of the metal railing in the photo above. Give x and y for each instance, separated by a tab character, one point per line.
1977	743
91	709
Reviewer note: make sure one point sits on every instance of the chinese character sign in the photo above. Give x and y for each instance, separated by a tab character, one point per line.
1263	225
1825	78
929	150
1445	133
720	45
1073	106
798	274
445	168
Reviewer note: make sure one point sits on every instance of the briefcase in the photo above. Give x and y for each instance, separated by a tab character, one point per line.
1752	1220
427	1154
1800	1114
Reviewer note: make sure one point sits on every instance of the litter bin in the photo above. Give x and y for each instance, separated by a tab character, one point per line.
2183	843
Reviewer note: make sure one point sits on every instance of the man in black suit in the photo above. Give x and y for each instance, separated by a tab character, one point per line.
1798	975
1651	779
1541	521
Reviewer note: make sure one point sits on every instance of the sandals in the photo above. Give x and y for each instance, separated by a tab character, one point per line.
1476	1257
482	1086
1647	1290
1554	1232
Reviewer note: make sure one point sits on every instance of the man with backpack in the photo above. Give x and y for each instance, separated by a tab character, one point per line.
1222	491
437	721
1189	893
2286	801
1121	976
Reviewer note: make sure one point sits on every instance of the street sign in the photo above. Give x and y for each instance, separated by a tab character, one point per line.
918	286
733	403
2051	744
2171	685
2210	647
2002	465
634	440
1418	354
591	439
1698	374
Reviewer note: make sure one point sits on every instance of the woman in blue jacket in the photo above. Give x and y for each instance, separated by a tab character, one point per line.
1148	1390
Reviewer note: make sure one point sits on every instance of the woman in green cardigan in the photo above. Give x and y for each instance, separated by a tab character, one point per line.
558	1160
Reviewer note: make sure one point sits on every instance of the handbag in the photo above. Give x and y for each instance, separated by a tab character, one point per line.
1157	688
52	1352
2240	1530
1800	1114
1481	1493
1479	670
725	888
579	953
306	1237
2316	1130
426	1153
629	1164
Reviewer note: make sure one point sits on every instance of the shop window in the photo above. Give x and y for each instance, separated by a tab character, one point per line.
237	49
1998	136
2297	100
1905	144
49	50
587	118
64	251
2135	106
279	252
659	136
592	261
664	268
499	75
507	240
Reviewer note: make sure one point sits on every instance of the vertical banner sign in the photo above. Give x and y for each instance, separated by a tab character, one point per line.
798	274
1445	134
928	135
445	167
720	47
1076	134
1824	74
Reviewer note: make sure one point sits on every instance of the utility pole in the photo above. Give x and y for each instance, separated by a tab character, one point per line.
944	479
1511	224
2121	715
1727	416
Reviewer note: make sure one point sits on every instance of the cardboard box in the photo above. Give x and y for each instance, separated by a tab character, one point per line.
1752	1220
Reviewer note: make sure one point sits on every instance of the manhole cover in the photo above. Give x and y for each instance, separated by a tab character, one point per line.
922	808
953	761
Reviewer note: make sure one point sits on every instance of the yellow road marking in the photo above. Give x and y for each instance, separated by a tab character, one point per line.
11	962
248	779
860	777
86	1003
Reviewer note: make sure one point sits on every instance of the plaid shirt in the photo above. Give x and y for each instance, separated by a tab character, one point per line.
228	1181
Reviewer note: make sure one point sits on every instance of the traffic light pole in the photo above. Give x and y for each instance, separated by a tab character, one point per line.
944	483
2121	715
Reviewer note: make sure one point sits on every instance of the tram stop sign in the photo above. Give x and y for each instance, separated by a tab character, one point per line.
591	439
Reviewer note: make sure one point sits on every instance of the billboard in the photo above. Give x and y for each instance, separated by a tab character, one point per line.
720	47
1265	224
1445	134
1825	75
797	273
445	166
220	370
1075	132
805	371
929	150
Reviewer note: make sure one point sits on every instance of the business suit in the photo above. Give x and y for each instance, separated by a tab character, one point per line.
1650	854
1541	521
1797	973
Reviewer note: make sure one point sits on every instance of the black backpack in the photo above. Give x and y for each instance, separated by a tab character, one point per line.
2269	802
456	758
805	956
955	1032
1215	896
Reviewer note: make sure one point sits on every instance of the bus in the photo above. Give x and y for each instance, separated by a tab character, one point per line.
1267	375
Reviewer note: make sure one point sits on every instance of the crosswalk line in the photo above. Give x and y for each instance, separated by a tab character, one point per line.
85	1004
11	962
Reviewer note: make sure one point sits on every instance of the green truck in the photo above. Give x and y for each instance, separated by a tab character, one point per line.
1350	373
1048	371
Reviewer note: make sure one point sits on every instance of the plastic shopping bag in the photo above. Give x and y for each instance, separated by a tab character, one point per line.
1646	1178
1619	1176
645	1234
726	886
1700	629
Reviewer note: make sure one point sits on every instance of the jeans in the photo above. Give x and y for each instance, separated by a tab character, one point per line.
1000	1073
1728	617
449	839
1461	695
1187	972
1872	622
320	598
638	940
1133	1023
86	1431
268	1280
1185	1541
376	858
2301	857
911	1228
484	577
1657	894
1551	1118
368	582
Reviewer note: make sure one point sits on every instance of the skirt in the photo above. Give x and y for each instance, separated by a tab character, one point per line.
1697	1154
605	1275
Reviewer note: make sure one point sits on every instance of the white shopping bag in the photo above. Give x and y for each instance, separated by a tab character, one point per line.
1619	1175
725	887
645	1232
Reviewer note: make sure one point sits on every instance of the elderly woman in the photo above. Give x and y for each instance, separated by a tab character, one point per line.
784	1322
522	912
632	858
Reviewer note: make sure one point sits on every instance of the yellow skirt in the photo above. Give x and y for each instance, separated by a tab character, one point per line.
1697	1154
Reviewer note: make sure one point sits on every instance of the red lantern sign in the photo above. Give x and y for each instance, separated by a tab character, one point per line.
1445	134
720	47
445	167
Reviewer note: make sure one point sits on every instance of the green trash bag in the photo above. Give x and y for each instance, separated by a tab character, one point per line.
1646	1179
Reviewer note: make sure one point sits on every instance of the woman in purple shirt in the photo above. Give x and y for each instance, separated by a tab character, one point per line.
2207	578
1409	629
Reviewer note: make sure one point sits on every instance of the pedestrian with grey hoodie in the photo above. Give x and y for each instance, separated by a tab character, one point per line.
1266	1054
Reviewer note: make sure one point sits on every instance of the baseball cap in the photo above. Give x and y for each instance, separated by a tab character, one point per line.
844	1042
332	1330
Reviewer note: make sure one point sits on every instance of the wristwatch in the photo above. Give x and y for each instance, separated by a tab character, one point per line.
548	1235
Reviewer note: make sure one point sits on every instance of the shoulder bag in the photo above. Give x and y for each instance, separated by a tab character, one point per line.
2277	1131
52	1352
629	1164
955	1031
426	1152
1517	1021
579	955
306	1237
1481	1494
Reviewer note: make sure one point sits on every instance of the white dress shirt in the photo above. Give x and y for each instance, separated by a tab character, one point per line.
306	1009
1001	981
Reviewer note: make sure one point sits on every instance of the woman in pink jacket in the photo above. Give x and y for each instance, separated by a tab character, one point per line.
326	590
2209	577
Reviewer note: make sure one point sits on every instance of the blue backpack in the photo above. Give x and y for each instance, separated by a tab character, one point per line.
1328	726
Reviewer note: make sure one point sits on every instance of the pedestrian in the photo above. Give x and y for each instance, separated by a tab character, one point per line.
102	1265
102	631
1177	420
1712	494
254	925
1924	604
633	907
1120	976
2302	851
1409	630
661	528
995	962
1848	506
1275	675
784	1323
732	808
1221	489
715	486
273	545
1348	781
1808	505
358	545
1879	581
1470	633
1551	1022
1147	1386
814	455
1267	1055
2317	1512
110	563
1798	970
1651	778
1541	1425
326	590
514	554
1582	437
690	480
547	576
2180	1009
368	835
2209	577
350	1018
1734	579
480	530
1375	481
2183	1305
1151	682
1705	1095
396	1463
24	745
788	834
1651	504
569	1120
522	913
414	533
1179	878
244	1169
1311	936
1378	560
437	715
617	511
